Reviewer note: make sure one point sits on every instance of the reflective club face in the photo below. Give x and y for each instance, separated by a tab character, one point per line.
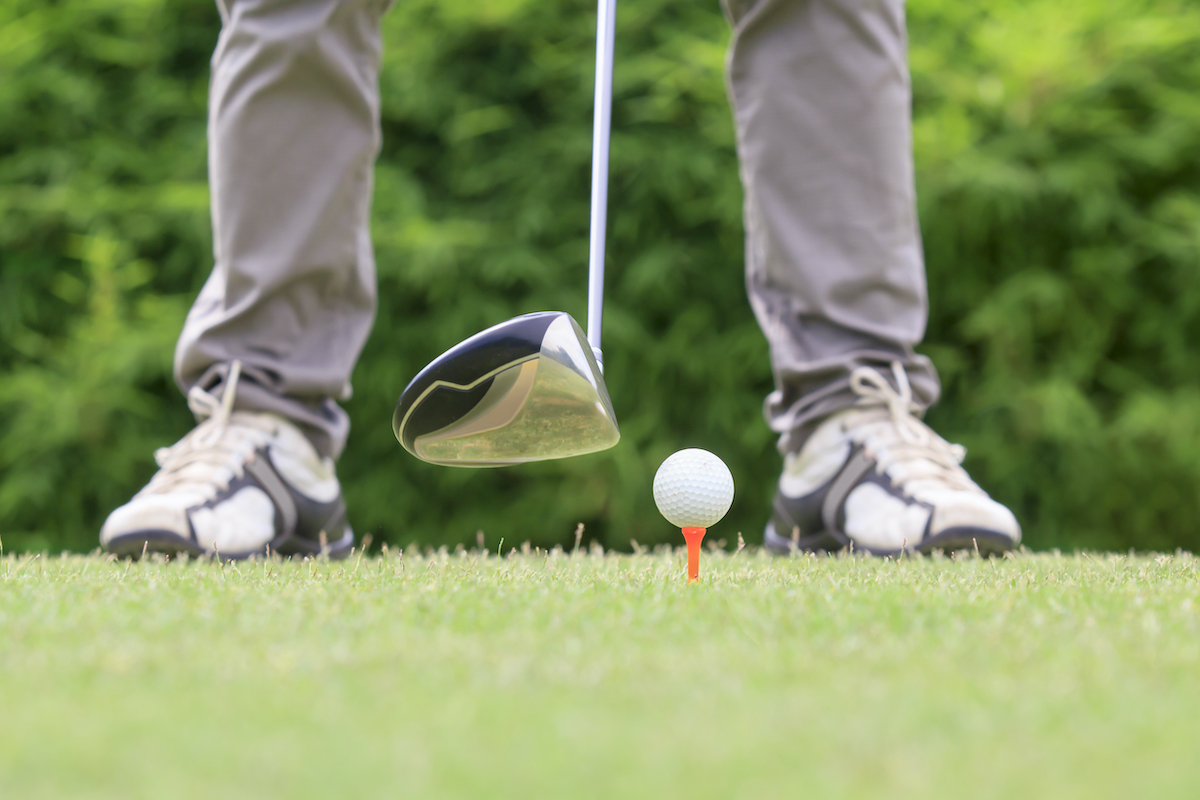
528	389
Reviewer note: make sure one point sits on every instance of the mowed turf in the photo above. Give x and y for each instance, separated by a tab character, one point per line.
591	675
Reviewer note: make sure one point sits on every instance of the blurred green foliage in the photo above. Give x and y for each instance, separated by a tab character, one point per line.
1059	181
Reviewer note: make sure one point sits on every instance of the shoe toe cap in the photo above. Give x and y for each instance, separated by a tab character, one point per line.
149	513
973	511
241	523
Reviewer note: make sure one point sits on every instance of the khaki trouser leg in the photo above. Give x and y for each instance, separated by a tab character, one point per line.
293	134
834	267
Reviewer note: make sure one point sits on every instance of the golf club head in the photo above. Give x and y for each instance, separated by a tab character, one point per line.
528	389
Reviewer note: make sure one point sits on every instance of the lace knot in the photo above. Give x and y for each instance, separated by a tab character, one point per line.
870	385
925	456
214	416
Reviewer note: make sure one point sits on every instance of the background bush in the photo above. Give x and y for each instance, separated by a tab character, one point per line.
1059	181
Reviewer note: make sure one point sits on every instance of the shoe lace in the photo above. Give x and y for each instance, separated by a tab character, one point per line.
215	451
903	446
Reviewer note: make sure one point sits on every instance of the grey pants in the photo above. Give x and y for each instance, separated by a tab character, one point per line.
834	268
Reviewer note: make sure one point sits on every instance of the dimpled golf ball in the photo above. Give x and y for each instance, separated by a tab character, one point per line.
693	489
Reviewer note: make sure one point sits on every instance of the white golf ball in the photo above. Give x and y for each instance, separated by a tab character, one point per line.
693	489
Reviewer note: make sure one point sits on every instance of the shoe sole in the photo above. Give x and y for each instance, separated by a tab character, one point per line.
986	542
134	545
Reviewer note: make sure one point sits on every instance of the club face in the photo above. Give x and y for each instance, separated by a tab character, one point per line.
528	389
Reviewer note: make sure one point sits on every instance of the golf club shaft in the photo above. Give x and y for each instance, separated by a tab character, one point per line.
601	125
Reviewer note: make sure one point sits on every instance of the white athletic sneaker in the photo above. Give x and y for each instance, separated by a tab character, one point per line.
239	484
878	478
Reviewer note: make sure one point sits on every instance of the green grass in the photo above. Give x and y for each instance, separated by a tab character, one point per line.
601	676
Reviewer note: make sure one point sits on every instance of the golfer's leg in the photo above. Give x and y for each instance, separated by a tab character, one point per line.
820	92
293	134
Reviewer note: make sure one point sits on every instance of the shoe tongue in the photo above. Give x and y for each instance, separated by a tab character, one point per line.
919	473
210	461
205	472
911	462
864	415
197	481
260	421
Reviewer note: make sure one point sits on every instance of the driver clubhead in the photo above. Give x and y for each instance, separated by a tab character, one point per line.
528	389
